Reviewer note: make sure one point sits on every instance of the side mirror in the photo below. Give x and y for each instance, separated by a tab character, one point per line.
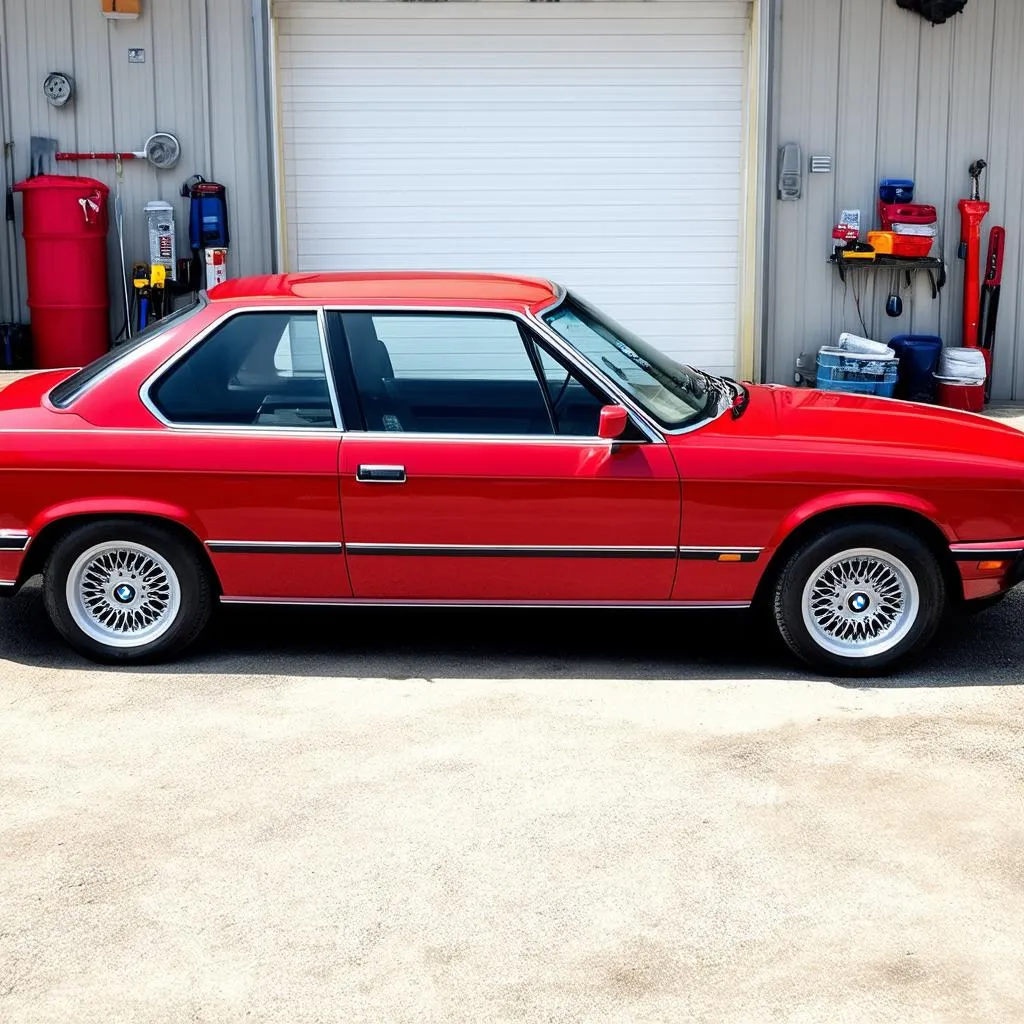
613	422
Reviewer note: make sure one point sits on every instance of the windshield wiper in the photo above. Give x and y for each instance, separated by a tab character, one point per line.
741	397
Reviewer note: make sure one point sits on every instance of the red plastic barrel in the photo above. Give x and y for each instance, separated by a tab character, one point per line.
65	232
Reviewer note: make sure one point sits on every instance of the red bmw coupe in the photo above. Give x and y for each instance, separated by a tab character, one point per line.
480	440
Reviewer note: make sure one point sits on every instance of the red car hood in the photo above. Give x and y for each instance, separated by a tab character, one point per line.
804	414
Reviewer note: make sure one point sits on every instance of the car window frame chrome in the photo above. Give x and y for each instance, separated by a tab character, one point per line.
247	429
550	338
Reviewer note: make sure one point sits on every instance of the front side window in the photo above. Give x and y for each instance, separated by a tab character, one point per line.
255	370
463	374
673	394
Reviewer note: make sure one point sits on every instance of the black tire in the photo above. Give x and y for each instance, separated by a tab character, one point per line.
919	628
195	593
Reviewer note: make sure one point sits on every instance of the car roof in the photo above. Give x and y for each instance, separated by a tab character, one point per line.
394	287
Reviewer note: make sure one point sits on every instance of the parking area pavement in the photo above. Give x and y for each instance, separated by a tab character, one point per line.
395	816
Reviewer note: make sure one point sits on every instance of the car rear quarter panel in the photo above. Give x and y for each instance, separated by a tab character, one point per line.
243	487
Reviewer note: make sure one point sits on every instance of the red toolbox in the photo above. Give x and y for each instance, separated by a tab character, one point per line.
906	213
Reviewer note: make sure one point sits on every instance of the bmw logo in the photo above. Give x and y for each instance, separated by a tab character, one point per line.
124	593
859	602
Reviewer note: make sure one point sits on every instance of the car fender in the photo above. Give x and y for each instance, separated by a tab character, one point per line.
110	508
840	500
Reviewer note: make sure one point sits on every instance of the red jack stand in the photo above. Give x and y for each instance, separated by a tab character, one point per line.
972	213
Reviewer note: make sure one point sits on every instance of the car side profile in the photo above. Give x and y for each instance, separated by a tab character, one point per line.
468	439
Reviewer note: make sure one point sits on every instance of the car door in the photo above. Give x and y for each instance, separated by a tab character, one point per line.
479	476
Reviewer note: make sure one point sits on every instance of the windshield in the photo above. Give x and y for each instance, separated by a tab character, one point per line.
674	395
68	390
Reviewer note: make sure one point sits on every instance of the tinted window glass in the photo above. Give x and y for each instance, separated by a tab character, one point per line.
256	370
68	390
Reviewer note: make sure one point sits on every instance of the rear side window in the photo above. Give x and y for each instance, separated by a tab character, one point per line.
255	370
68	390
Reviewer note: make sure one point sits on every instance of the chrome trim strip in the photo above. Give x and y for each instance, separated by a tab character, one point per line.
14	540
333	602
332	390
520	439
249	431
8	584
985	554
275	547
713	554
508	551
1014	546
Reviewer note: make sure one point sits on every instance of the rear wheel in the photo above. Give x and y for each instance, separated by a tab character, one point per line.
860	599
125	591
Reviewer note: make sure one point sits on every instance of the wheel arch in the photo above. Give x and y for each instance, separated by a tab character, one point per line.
913	519
59	526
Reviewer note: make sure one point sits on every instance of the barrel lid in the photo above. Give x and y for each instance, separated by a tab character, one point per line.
68	181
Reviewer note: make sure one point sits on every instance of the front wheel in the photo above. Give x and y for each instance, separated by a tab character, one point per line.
125	591
857	600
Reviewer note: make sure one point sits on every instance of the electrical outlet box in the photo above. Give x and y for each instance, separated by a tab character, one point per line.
791	178
121	8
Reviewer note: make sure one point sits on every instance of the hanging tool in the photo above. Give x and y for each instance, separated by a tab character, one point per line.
989	308
972	213
160	150
41	154
894	304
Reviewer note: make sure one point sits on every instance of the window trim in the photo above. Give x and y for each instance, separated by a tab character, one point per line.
222	428
549	338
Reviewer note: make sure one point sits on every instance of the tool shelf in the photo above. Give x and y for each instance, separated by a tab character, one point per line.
932	265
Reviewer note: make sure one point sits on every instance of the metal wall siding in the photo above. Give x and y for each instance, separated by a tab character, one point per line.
913	100
198	82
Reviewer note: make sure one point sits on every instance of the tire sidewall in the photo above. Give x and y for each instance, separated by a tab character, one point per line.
193	585
905	546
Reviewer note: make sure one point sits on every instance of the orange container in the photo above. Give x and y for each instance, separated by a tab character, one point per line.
956	394
882	241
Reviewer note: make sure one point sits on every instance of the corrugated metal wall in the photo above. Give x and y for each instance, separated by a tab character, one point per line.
890	95
198	82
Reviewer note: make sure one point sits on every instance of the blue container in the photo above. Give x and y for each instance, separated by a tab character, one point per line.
919	359
878	388
855	373
896	190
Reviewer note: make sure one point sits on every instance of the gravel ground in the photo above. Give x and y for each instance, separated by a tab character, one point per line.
390	816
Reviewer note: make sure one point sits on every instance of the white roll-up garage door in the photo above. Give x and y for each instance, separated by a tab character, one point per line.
599	144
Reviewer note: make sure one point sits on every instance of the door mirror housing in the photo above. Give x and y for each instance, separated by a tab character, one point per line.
613	422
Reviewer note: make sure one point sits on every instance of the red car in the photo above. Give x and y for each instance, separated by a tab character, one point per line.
406	439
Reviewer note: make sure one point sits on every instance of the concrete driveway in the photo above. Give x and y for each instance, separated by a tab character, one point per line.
388	816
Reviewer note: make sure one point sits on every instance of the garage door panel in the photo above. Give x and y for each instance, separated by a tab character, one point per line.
599	144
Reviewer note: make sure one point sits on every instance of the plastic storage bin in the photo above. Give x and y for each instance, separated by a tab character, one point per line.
906	213
918	356
913	246
864	373
896	190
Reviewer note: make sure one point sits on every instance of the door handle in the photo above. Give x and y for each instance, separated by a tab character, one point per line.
381	474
